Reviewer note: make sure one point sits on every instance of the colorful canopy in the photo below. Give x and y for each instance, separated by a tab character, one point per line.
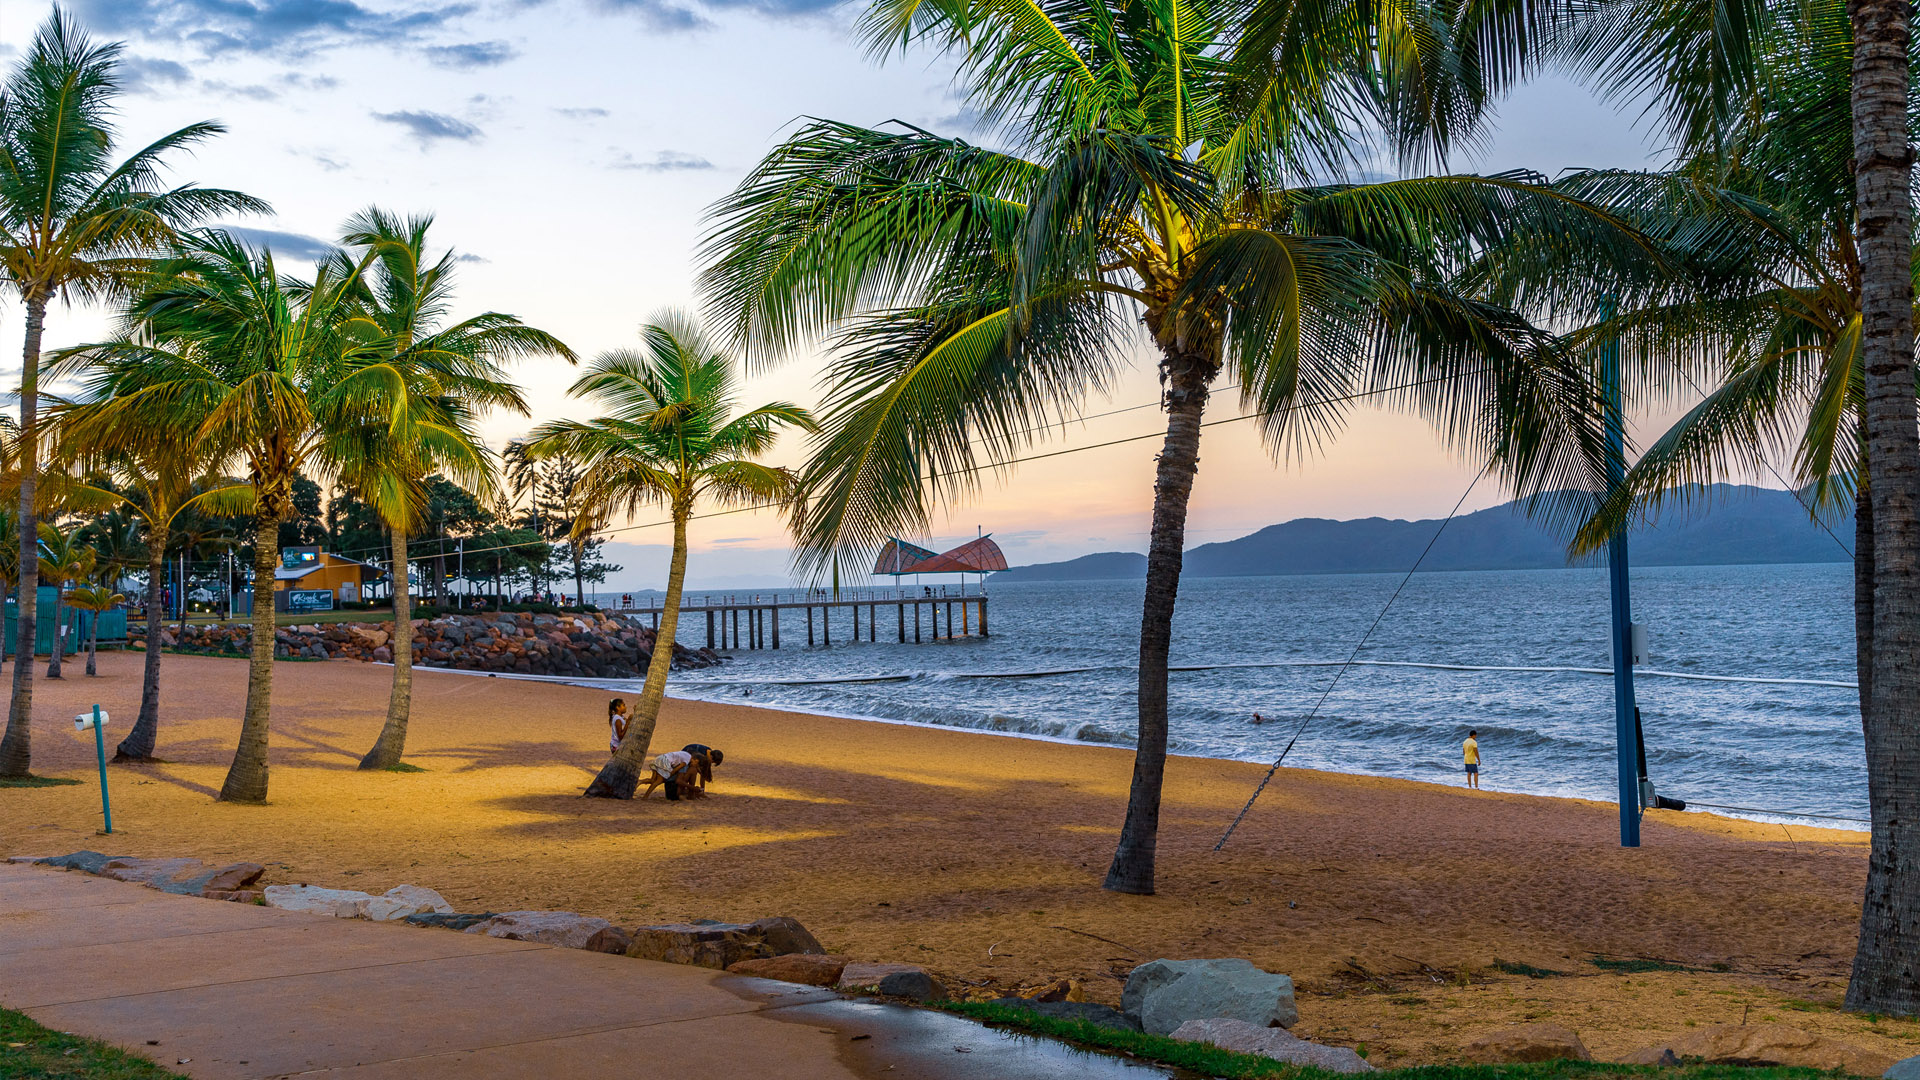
898	555
973	557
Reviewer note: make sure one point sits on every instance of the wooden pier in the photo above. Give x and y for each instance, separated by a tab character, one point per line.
752	620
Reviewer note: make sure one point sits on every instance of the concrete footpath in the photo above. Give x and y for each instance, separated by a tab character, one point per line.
227	991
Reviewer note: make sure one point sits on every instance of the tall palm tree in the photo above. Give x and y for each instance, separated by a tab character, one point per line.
1768	211
74	224
976	295
67	559
436	379
157	475
668	438
225	348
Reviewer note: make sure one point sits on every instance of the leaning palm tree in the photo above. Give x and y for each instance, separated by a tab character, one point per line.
68	559
1769	210
96	600
158	476
74	224
223	347
668	438
436	379
975	296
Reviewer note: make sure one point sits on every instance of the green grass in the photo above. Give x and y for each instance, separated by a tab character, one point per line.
36	781
1528	970
1635	966
404	767
1209	1060
42	1054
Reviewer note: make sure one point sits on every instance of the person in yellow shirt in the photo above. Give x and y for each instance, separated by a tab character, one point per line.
1472	748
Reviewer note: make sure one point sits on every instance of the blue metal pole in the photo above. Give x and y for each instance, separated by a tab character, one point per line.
100	751
1622	602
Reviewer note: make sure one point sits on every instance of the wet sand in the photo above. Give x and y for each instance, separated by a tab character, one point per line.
1403	910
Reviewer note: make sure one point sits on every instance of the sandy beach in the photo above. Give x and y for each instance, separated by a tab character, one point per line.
1393	904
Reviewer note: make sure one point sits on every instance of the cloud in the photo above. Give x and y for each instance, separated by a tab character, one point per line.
322	158
253	91
591	113
657	15
288	244
663	161
472	54
290	27
148	74
469	257
430	126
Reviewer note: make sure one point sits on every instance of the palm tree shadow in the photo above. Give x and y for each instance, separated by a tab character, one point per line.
514	755
160	773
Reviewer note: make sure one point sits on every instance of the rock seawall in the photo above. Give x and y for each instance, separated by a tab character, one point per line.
592	646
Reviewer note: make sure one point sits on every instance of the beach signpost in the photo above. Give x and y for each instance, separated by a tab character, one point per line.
97	720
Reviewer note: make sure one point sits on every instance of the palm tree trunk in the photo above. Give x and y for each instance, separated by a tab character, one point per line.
393	736
1886	967
140	742
59	630
1187	379
247	778
621	774
16	747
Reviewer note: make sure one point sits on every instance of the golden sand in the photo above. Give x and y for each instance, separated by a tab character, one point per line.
1391	903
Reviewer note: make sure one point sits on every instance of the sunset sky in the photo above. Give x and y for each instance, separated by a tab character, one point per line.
571	148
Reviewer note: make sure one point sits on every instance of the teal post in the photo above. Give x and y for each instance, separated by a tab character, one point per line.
100	751
1625	730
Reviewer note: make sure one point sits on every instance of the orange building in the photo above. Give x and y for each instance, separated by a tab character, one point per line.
308	571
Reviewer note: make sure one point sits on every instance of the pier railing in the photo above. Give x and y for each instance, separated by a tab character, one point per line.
752	619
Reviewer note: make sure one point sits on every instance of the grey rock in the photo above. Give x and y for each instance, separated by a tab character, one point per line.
339	903
453	921
892	980
91	862
1904	1069
404	900
1276	1043
562	928
702	944
784	935
1163	994
1090	1011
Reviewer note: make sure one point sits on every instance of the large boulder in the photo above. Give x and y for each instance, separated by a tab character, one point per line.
1089	1011
1904	1069
1764	1044
1276	1043
339	903
397	903
810	969
562	928
704	944
784	934
1163	994
891	980
1527	1042
403	901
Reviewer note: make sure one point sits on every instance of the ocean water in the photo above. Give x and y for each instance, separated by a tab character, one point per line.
1747	699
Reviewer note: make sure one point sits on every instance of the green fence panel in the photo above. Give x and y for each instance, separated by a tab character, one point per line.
113	625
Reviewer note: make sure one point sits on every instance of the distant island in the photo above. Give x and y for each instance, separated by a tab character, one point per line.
1730	524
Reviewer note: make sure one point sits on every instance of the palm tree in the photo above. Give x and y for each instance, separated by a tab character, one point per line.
668	438
96	600
75	225
436	379
976	296
158	478
1767	213
225	349
68	559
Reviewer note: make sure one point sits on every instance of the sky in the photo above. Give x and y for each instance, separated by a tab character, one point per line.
569	150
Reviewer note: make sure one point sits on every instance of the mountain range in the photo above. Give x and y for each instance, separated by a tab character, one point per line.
1727	524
